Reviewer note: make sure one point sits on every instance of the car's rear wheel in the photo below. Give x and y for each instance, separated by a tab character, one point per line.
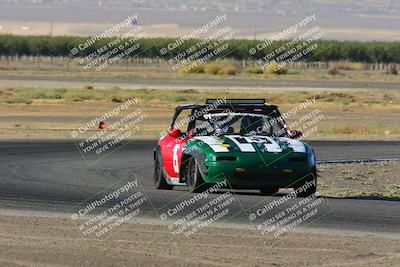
158	177
194	179
268	191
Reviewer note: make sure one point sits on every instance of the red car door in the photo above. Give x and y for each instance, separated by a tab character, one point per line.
171	149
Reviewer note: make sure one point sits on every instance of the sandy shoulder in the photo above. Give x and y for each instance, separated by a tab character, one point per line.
54	241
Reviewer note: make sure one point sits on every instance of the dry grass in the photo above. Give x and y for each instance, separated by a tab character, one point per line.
254	70
347	114
276	68
348	128
115	94
213	68
228	70
360	180
347	65
165	71
333	70
337	97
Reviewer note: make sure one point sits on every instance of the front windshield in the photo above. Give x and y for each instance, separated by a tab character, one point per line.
241	124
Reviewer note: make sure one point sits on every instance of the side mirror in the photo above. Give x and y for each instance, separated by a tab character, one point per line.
295	134
174	133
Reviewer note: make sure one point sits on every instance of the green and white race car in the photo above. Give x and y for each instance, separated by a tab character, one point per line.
244	142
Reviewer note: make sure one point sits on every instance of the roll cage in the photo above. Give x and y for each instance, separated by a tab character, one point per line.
254	106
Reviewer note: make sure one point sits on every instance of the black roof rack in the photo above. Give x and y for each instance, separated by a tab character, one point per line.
229	103
237	101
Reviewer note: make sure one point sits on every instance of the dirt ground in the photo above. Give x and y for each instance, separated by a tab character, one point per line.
360	180
53	241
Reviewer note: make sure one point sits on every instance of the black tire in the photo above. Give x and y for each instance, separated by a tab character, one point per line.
194	180
158	177
268	191
311	189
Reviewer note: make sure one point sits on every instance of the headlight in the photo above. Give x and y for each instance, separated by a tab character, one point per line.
311	157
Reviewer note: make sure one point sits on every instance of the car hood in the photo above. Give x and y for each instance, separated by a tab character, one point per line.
249	144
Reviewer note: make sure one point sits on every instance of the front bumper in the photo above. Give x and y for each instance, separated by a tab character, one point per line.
258	174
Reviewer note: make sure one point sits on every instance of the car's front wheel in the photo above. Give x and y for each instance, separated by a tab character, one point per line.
194	179
308	186
158	177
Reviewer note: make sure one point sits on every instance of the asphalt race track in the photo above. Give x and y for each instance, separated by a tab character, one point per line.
52	176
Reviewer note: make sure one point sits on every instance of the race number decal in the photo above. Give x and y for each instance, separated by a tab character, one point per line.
175	161
245	143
